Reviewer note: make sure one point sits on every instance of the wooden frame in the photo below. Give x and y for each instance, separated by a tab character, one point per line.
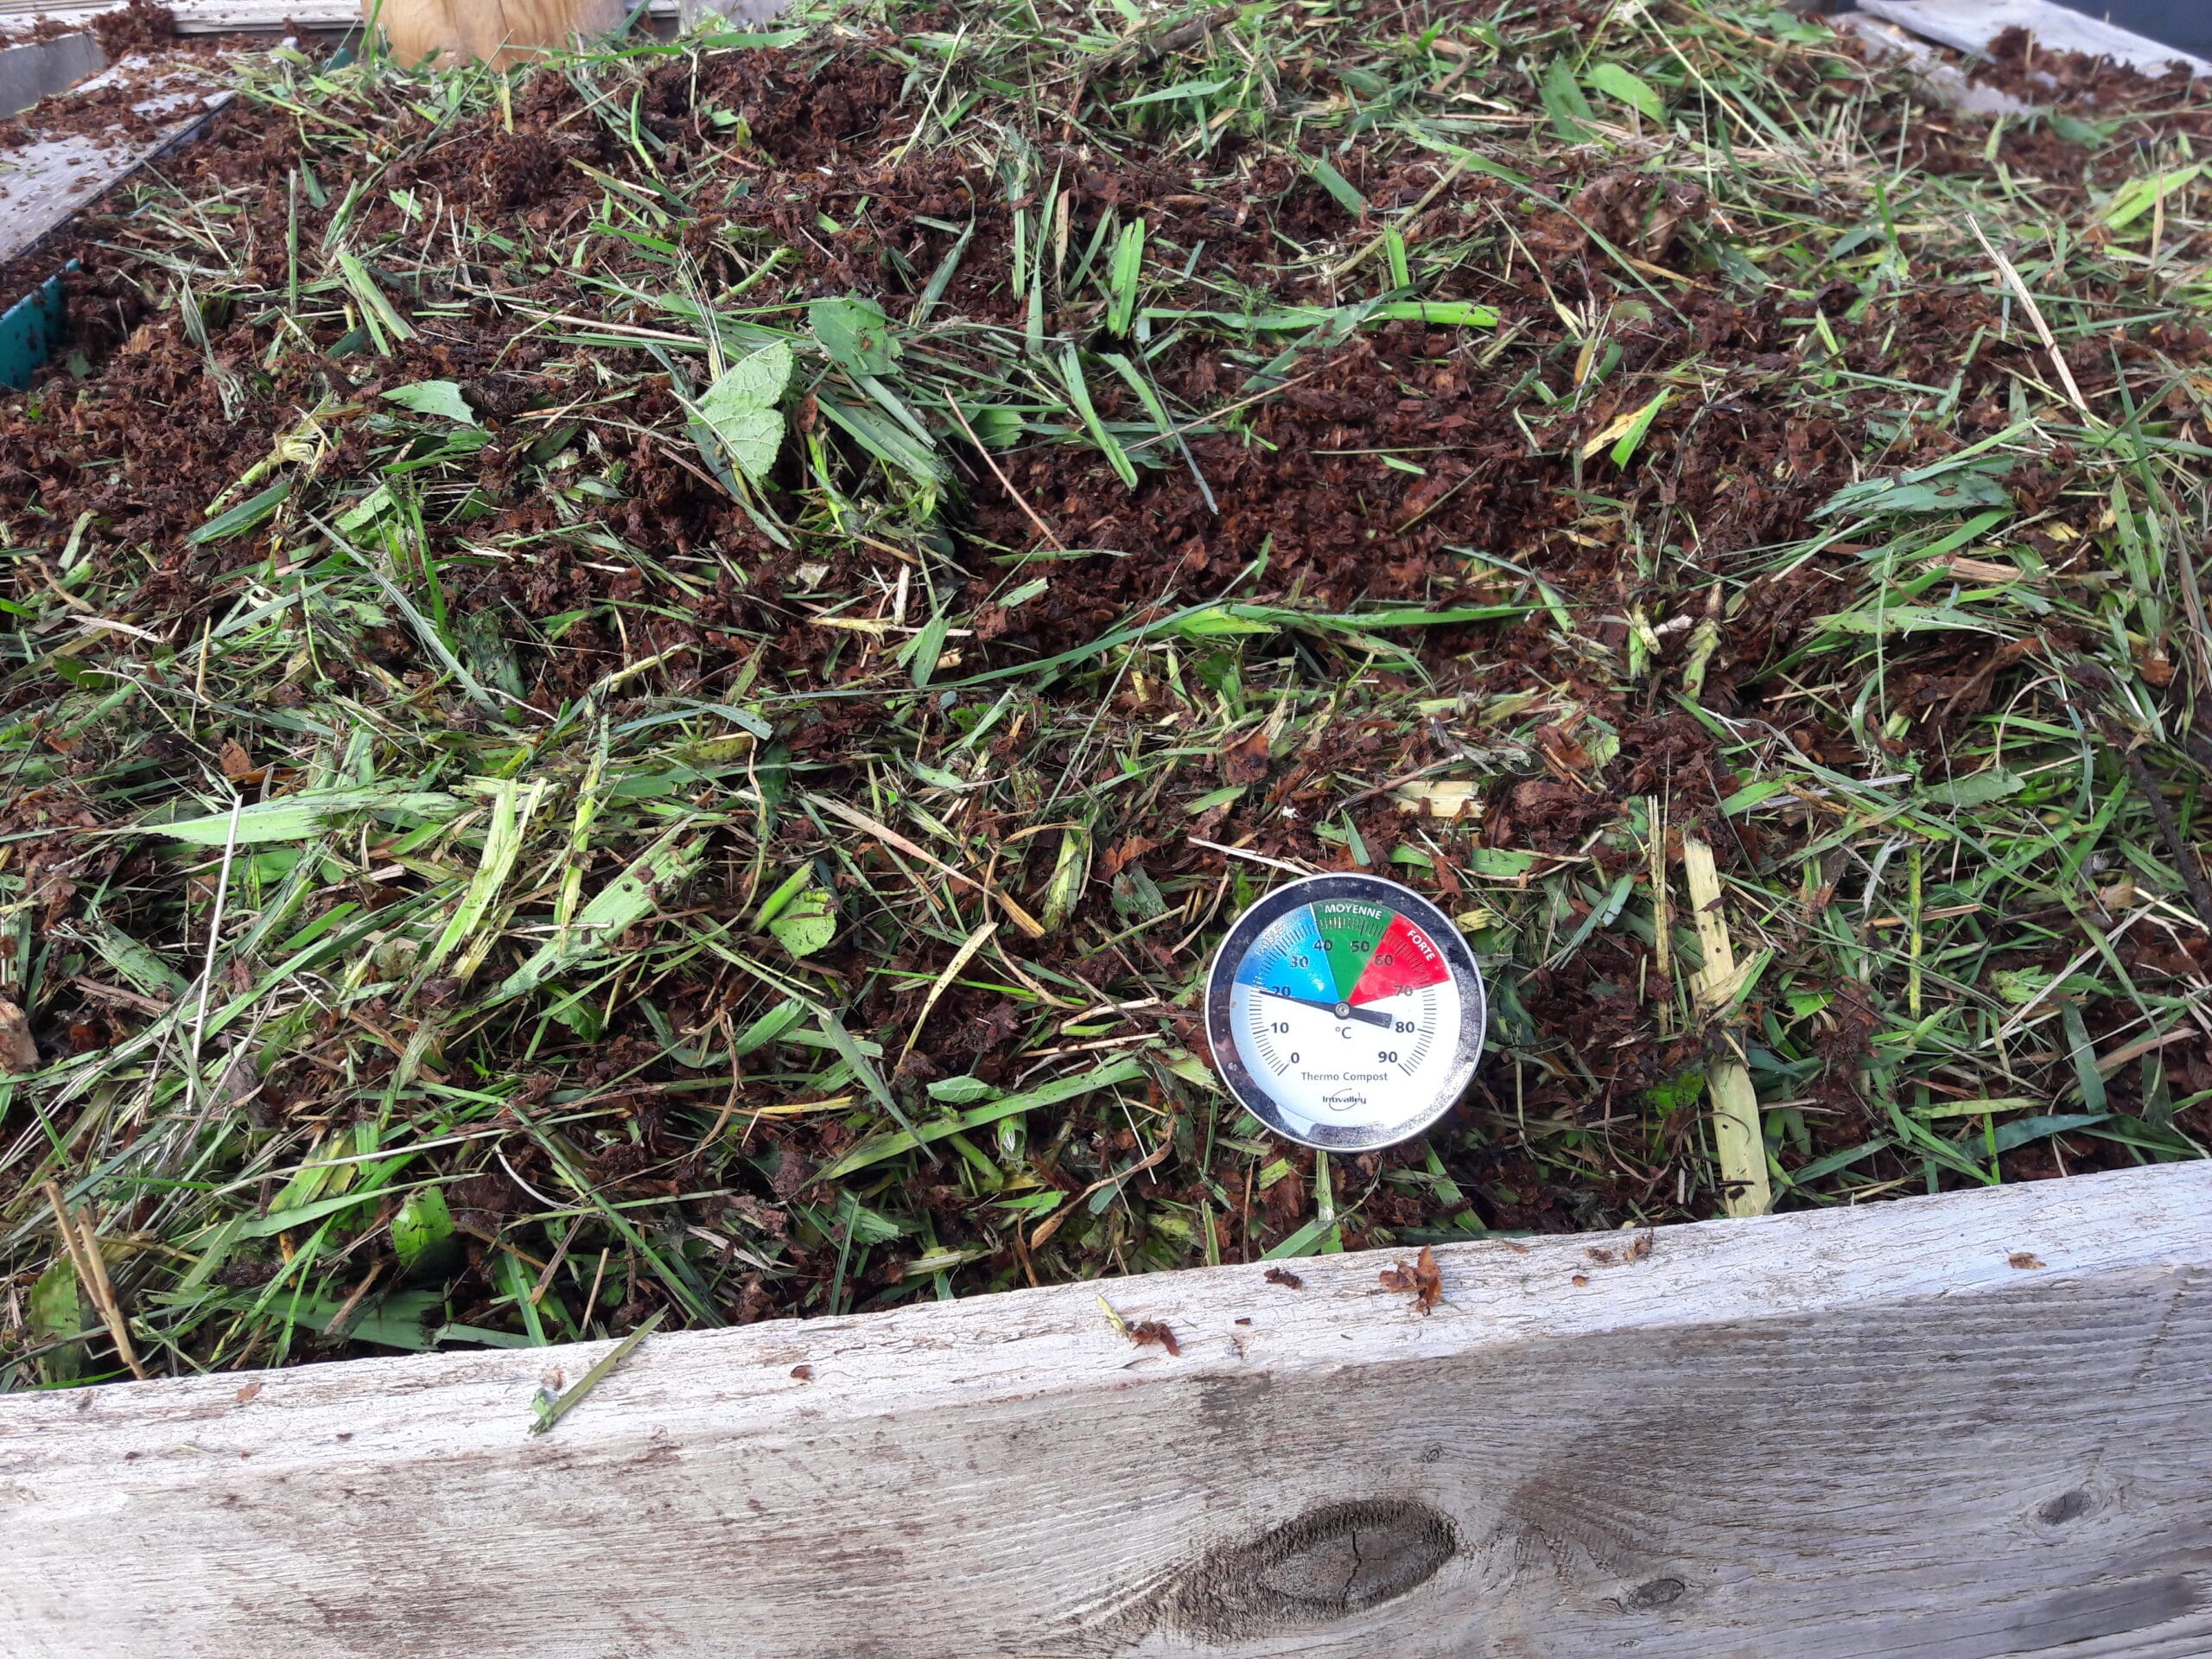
1954	1427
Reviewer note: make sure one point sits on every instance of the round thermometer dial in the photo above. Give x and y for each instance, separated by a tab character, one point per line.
1345	1012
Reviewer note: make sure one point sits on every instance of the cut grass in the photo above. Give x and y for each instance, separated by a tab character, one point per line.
682	763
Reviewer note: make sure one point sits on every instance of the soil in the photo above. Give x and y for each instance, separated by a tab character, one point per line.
1303	492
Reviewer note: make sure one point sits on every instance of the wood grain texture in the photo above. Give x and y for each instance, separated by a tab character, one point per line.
1949	1428
1970	25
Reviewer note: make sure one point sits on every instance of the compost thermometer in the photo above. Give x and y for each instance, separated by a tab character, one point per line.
1345	1012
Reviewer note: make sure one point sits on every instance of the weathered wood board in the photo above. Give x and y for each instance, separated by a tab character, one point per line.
43	185
240	16
1970	25
1953	1428
29	72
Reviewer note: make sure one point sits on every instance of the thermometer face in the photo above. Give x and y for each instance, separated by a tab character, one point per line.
1345	1012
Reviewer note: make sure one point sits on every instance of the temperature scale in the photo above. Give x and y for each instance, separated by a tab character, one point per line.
1345	1012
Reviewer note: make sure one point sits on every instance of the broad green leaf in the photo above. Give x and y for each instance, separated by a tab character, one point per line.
855	332
875	1151
294	818
1908	619
2022	1130
511	808
135	961
424	1223
807	924
927	647
2138	196
1625	432
740	408
1072	371
773	905
1068	870
1563	101
434	398
58	1314
1180	89
998	427
1444	313
1618	83
1336	184
960	1091
1953	491
1122	286
1978	789
1498	863
242	517
622	903
374	301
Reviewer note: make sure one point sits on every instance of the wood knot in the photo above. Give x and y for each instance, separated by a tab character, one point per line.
1327	1564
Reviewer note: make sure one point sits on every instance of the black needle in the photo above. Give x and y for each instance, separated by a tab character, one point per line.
1341	1010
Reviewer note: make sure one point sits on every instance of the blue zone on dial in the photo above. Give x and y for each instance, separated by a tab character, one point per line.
1288	960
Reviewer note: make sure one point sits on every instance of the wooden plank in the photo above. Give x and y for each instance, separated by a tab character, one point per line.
31	71
1956	1427
1970	25
44	184
240	16
1941	81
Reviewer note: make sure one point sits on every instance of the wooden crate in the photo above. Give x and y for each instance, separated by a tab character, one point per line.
1952	1428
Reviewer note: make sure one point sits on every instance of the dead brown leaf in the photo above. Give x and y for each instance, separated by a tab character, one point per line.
1424	1281
1155	1331
18	1049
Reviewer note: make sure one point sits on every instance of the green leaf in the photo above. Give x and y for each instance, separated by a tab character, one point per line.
928	646
1180	89
1443	314
1908	619
1498	863
1121	287
1072	371
294	818
1336	184
1978	789
2138	196
242	517
1563	101
960	1091
773	905
1951	493
2021	1130
1624	450
998	427
373	299
875	1151
434	398
622	903
1618	83
1068	870
855	332
807	924
740	408
57	1314
424	1223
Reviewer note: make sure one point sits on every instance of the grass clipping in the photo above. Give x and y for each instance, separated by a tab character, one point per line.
638	688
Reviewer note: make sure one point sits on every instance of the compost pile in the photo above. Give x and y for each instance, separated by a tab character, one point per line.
641	688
